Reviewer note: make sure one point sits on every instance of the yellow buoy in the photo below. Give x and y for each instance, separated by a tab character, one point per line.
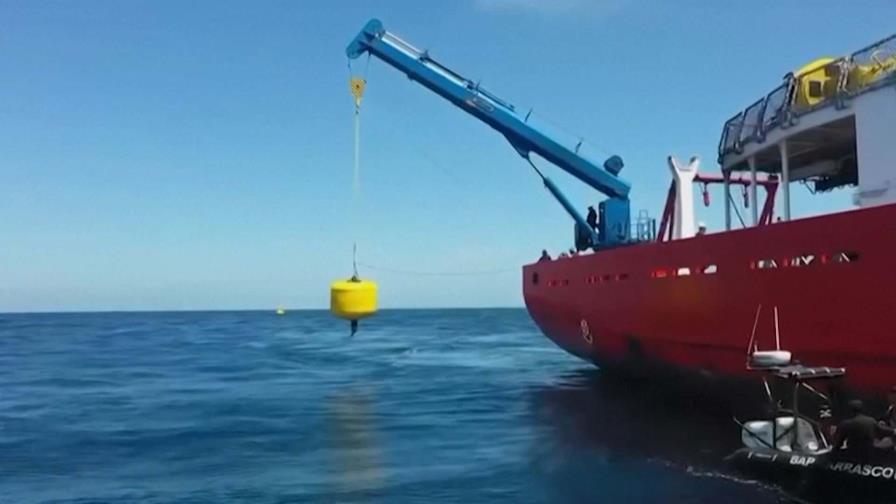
353	299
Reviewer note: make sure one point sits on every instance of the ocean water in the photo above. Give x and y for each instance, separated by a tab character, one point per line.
433	406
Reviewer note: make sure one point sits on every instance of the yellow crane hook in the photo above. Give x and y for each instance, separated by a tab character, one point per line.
356	84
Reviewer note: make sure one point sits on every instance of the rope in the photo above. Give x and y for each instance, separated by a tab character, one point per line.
356	85
356	190
440	273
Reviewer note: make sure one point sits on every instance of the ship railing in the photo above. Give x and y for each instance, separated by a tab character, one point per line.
751	130
644	228
777	107
819	88
752	124
833	83
872	67
731	135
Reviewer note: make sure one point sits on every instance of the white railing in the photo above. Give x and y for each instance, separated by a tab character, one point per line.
829	83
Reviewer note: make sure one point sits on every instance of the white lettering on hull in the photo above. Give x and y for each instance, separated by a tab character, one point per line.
880	472
803	461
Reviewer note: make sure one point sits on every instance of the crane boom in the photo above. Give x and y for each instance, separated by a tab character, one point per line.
525	137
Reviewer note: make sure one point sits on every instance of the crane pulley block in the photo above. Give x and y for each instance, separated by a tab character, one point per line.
356	85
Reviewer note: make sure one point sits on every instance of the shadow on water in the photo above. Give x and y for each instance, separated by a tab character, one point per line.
594	429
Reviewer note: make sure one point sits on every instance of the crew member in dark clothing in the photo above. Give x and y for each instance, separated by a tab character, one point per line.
859	432
544	256
888	420
889	417
592	218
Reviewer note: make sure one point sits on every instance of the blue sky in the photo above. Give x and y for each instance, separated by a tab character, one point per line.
194	155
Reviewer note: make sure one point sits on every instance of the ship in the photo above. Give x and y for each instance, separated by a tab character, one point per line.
685	302
673	300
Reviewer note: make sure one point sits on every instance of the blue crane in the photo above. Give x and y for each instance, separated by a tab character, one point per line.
614	225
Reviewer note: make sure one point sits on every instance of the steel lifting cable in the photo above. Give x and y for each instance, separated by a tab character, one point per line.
356	185
356	86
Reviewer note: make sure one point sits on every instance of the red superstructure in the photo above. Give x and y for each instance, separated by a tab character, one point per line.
689	303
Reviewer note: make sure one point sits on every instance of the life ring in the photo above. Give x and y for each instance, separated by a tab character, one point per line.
586	332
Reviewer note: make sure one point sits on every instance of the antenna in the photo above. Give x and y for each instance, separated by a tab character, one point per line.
750	345
777	333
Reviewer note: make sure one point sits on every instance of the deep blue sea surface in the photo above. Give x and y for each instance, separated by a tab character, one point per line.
430	406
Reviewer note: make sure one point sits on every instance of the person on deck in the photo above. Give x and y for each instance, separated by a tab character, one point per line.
701	229
544	256
858	432
592	218
889	417
888	420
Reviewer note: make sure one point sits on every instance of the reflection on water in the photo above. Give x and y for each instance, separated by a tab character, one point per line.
355	448
593	432
632	419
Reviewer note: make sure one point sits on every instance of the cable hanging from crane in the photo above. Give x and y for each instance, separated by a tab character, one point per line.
357	85
354	299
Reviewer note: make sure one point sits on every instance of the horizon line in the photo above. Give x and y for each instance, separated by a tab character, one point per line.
244	310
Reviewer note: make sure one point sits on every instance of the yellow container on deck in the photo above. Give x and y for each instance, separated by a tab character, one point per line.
353	299
817	82
865	75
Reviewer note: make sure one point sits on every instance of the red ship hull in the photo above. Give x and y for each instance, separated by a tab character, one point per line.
690	304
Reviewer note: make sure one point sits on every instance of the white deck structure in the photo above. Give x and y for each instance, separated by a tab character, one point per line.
831	124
